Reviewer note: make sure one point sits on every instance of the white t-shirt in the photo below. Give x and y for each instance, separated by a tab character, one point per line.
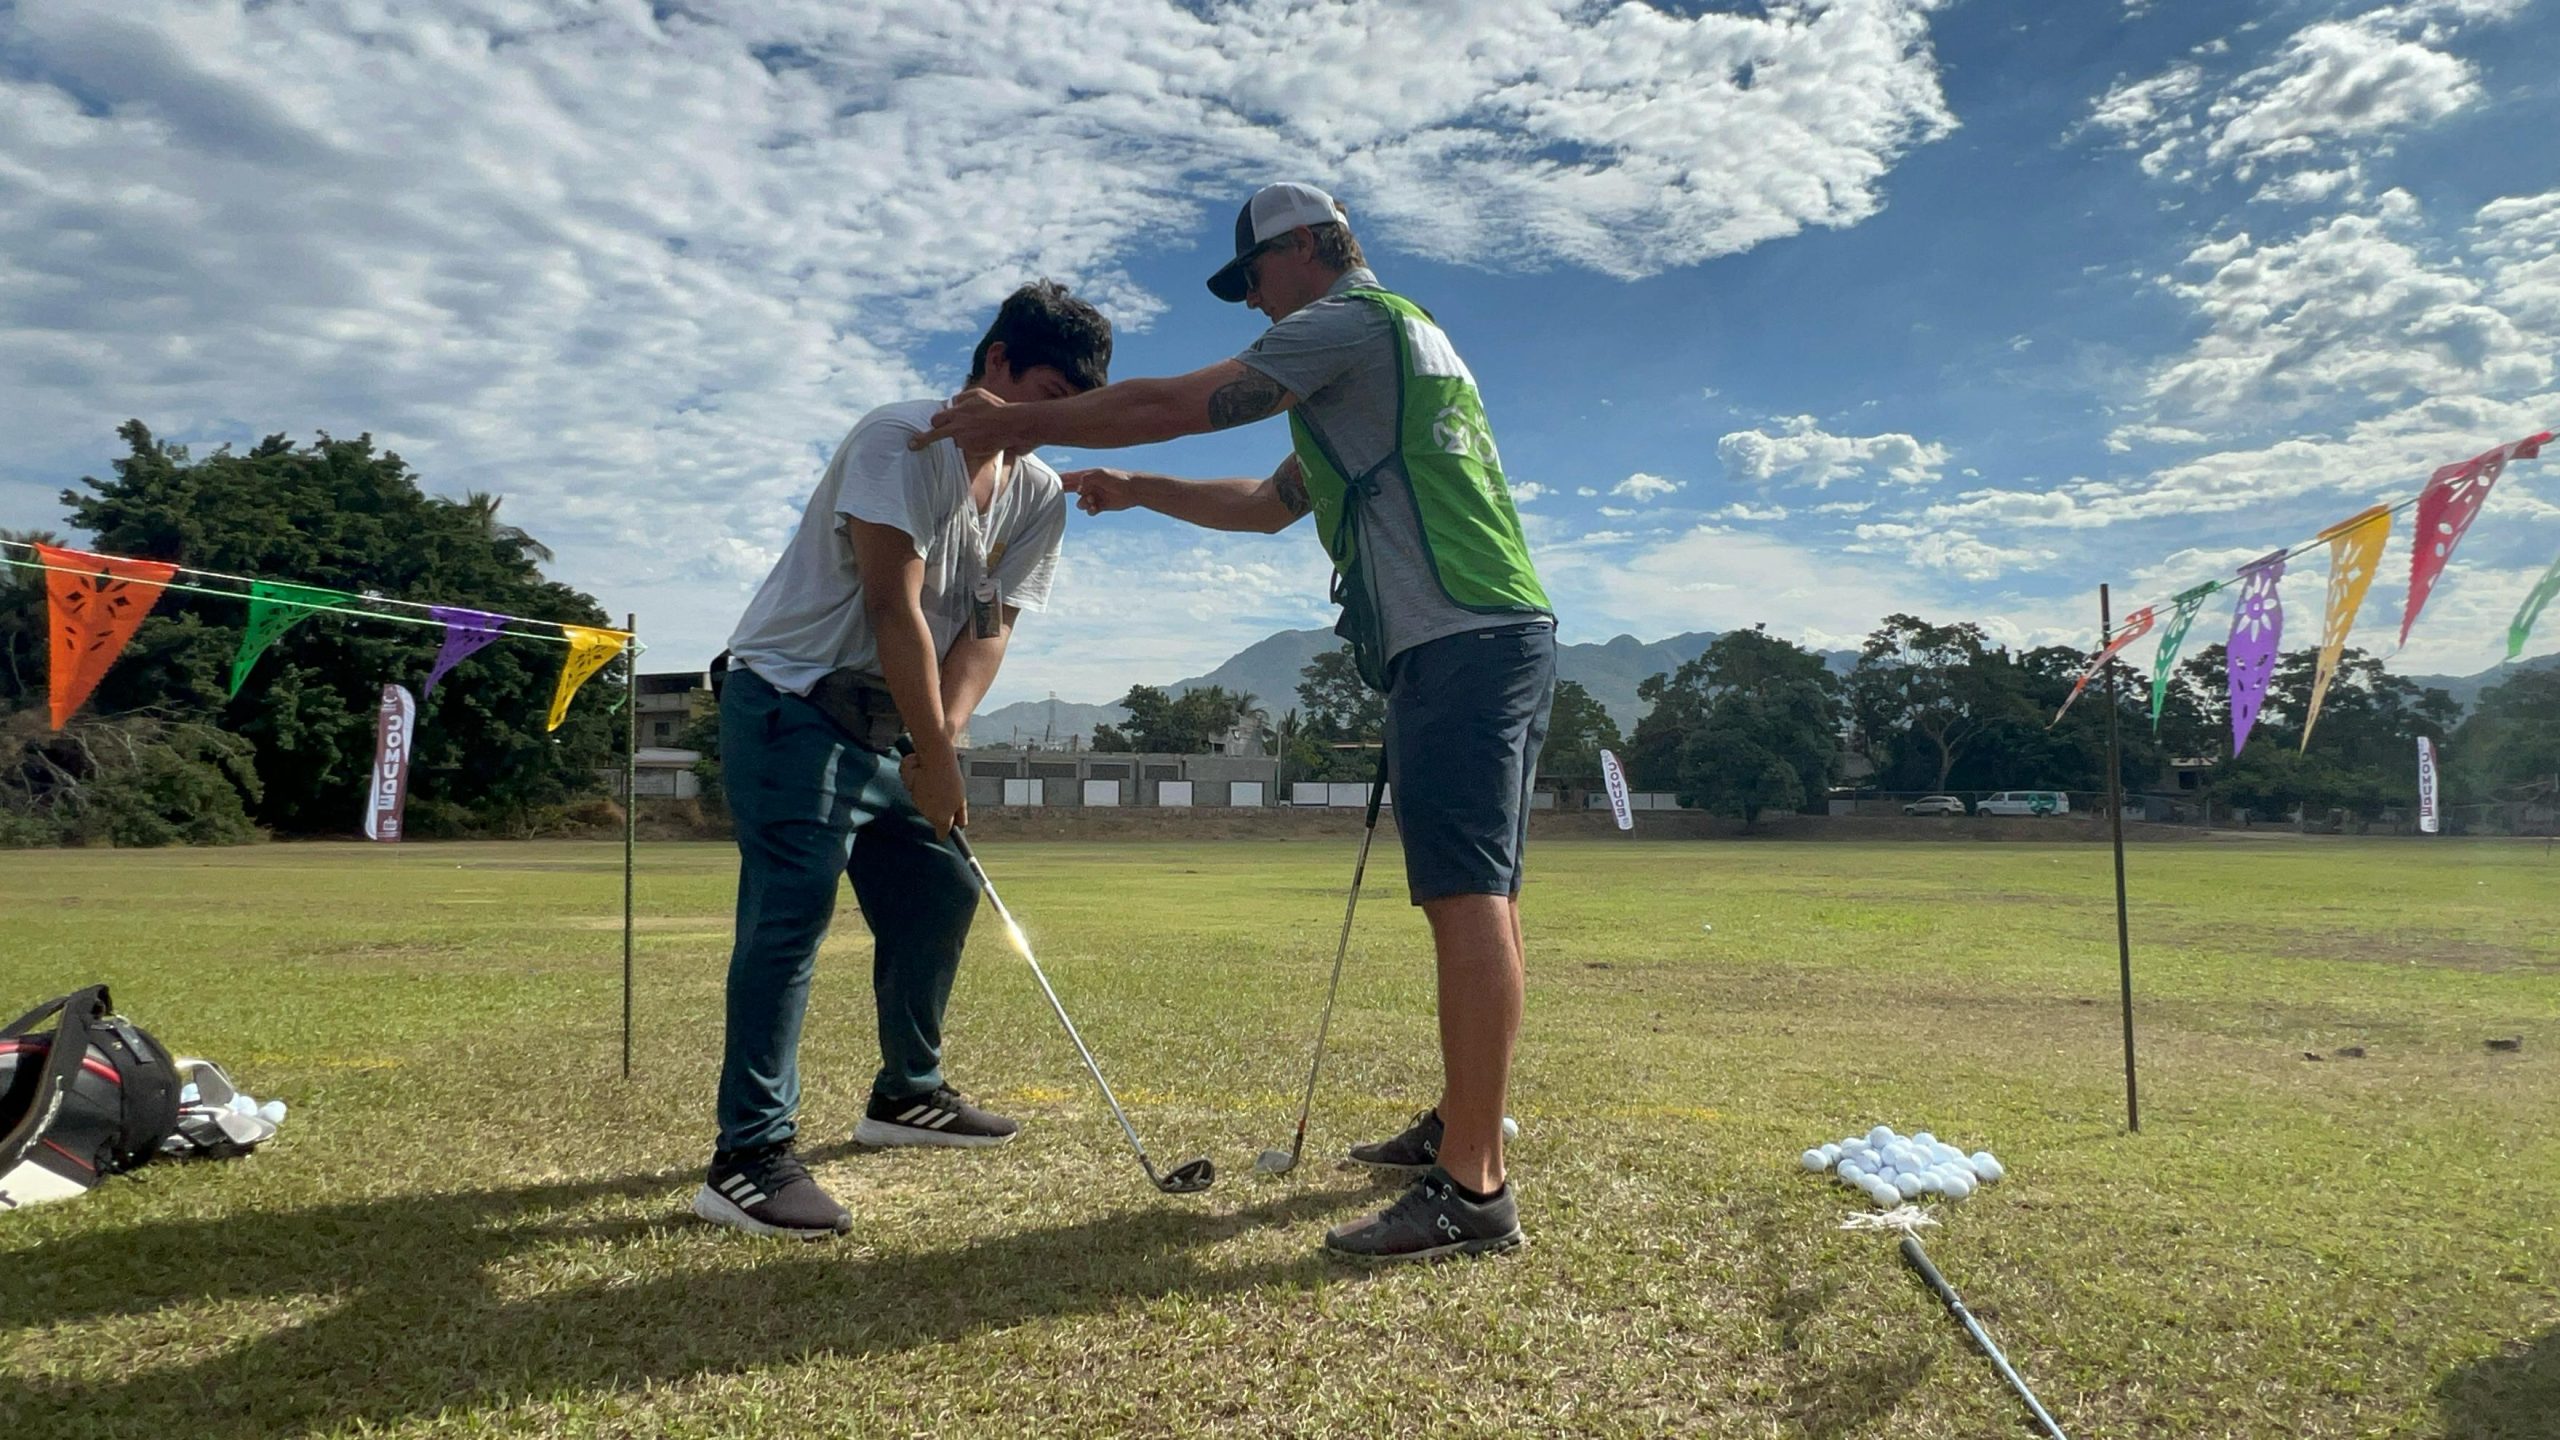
808	619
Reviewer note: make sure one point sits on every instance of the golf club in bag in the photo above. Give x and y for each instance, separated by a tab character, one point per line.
1187	1178
1918	1259
1281	1162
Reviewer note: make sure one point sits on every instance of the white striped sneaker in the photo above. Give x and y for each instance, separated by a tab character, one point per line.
940	1117
768	1192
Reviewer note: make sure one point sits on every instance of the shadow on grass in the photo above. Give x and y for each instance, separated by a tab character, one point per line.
2512	1395
419	1305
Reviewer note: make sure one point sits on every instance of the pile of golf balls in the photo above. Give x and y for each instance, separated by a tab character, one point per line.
1891	1169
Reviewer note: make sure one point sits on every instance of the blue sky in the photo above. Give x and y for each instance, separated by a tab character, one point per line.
1796	314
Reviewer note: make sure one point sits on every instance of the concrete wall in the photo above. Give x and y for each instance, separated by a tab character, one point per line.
1064	774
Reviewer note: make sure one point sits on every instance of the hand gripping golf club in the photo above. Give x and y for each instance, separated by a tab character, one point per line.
1281	1162
1918	1259
1188	1178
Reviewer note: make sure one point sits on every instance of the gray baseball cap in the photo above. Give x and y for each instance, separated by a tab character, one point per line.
1274	211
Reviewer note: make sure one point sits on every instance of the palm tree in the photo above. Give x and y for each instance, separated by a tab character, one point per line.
483	509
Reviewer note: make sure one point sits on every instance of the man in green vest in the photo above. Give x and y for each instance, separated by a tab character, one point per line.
1444	613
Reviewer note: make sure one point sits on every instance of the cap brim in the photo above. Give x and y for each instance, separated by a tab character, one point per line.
1230	283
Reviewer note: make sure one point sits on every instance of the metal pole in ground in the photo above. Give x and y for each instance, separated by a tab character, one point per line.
2115	814
630	811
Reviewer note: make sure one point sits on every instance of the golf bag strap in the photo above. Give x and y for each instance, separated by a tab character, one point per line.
62	1061
26	1023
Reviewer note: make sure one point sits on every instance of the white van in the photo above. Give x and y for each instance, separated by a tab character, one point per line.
2024	802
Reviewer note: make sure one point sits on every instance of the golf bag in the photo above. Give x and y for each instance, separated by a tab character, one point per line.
94	1097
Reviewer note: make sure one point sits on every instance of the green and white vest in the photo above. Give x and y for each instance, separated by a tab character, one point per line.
1470	529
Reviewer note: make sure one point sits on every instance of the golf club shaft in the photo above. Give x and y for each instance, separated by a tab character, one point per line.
1342	947
1022	945
1919	1260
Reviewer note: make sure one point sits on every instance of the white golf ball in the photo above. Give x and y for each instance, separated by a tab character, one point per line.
1924	1137
1883	1194
1852	1171
1510	1128
1951	1155
1830	1154
1881	1136
1812	1160
1959	1187
1987	1167
1906	1185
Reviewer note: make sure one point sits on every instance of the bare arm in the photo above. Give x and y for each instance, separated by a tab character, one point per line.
893	601
1267	506
969	670
1132	412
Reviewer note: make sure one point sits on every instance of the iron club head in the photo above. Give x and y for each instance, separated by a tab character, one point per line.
1275	1162
1189	1178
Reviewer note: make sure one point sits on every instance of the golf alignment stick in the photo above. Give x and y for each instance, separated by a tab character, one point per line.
1190	1177
1277	1162
1919	1260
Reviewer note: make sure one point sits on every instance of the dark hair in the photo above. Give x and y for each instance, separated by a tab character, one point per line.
1335	246
1043	324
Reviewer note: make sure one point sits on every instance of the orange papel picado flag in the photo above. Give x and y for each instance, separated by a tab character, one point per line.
590	650
97	602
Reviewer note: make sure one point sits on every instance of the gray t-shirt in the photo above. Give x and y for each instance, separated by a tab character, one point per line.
1339	358
808	619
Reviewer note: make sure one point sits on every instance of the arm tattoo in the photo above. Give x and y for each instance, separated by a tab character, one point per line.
1242	401
1291	483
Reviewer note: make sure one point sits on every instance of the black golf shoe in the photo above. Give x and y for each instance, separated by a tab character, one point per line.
1410	1153
1432	1220
938	1117
767	1191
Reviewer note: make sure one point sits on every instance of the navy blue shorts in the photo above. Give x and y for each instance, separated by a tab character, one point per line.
1466	717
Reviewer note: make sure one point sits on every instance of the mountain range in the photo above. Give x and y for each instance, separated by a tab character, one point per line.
1268	669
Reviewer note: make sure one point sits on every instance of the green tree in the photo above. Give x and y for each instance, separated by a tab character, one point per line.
340	514
1578	729
1337	703
1754	724
2510	747
1923	695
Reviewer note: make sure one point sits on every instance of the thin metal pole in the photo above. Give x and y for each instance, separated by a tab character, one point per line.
2115	815
630	813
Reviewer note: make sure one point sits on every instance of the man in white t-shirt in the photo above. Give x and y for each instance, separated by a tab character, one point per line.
888	613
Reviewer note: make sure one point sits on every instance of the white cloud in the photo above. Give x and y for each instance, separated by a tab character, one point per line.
2125	437
1644	488
638	266
1742	512
1616	512
2336	84
1585	491
1959	552
1525	491
2335	80
1800	452
1134	607
1713	578
1845	507
2312	187
2353	311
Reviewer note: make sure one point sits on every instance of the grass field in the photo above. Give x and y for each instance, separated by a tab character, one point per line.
471	1225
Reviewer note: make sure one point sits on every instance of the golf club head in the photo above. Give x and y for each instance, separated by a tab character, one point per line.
1275	1162
1189	1178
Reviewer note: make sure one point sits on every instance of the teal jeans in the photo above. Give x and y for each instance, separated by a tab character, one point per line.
811	808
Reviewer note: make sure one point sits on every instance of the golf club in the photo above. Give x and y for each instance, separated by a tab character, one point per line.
1188	1178
1281	1162
1919	1260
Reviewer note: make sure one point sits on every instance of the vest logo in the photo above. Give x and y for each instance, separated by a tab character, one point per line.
1459	429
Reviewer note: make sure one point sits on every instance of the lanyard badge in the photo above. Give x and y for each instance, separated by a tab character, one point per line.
986	608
